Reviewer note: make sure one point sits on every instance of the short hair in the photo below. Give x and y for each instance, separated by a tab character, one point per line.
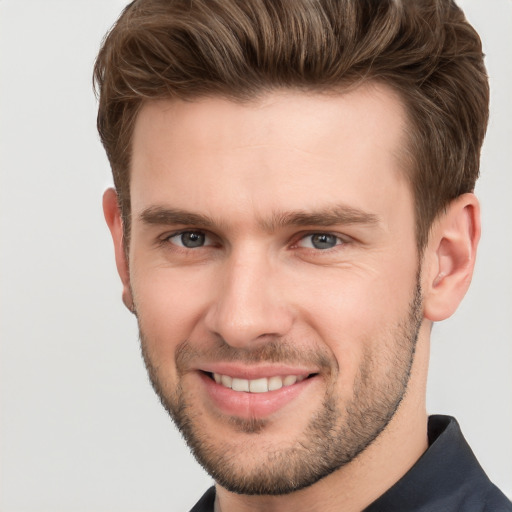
425	50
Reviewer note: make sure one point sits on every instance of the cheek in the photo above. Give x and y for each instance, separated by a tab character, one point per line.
357	301
356	312
169	306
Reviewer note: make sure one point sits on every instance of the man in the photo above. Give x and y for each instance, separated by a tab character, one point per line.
293	210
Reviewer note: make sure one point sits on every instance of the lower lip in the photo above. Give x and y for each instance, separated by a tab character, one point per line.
252	405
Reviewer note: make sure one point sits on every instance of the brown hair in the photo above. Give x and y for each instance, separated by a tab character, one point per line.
424	49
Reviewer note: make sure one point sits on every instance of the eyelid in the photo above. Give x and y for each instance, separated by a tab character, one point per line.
211	238
341	239
166	239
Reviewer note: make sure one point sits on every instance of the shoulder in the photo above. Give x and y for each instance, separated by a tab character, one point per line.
496	501
206	503
447	477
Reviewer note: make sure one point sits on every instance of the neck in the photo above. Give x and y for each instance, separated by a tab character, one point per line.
360	482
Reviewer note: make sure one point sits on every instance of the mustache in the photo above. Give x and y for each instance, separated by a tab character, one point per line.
272	351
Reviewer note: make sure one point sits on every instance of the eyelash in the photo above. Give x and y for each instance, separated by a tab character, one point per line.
167	238
340	240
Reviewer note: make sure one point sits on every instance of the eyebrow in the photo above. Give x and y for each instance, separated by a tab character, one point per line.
167	216
325	217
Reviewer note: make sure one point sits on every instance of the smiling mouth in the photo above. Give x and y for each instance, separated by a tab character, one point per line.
261	385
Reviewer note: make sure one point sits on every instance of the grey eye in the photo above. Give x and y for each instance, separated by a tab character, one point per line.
189	239
320	241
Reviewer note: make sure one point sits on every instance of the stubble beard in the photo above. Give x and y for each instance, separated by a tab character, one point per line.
335	435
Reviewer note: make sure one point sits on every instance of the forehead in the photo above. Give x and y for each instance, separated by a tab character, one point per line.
276	152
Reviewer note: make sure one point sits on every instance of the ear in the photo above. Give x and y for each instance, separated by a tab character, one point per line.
112	214
449	257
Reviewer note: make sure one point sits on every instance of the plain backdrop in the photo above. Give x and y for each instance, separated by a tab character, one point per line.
81	429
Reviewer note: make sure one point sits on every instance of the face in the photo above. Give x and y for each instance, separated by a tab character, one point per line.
274	275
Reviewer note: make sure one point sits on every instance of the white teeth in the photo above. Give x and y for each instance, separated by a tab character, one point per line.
226	380
289	380
275	383
258	385
240	385
261	385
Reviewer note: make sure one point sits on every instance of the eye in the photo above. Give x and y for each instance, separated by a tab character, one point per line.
320	241
190	239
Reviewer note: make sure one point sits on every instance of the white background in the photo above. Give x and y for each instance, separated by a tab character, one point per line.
81	429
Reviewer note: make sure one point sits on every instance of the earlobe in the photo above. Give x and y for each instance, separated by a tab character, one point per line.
450	256
114	221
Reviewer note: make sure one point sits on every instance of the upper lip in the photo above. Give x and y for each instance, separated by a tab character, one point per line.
240	371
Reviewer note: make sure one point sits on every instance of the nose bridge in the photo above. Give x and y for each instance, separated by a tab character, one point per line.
248	305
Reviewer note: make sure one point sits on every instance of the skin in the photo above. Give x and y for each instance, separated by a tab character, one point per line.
257	283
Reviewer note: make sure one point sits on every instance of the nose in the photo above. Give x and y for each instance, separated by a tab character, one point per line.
249	305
